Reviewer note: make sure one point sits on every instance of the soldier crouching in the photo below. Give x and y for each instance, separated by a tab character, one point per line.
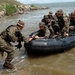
8	36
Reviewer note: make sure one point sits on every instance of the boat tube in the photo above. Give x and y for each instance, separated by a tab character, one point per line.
47	46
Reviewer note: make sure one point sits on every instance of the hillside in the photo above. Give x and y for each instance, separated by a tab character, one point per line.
12	7
4	2
9	1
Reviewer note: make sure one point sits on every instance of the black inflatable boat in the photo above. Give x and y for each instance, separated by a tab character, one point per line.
47	46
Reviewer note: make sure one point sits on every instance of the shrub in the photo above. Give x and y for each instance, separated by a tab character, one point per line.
32	5
10	9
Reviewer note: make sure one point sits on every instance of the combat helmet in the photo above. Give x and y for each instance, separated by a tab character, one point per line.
46	16
50	12
41	24
59	13
20	23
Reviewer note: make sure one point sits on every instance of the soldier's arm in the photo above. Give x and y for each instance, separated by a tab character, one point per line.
66	26
47	34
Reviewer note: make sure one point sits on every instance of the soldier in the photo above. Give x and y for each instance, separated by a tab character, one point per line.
45	19
50	15
50	28
62	23
8	36
43	32
72	21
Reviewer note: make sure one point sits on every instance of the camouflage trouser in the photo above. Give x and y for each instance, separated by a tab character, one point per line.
4	47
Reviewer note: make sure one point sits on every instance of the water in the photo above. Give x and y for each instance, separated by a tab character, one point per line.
56	64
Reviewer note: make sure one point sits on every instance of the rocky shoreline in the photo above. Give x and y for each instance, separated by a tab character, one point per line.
21	9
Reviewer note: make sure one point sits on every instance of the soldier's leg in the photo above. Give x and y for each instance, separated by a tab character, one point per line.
52	31
4	47
10	55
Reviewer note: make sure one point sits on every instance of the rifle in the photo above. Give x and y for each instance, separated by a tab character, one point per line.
20	38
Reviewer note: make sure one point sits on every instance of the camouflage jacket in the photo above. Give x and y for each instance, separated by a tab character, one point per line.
44	33
9	33
63	23
72	21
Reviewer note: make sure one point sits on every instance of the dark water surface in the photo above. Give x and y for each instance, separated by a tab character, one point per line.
56	64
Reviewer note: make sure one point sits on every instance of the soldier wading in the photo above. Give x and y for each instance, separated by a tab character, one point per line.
7	36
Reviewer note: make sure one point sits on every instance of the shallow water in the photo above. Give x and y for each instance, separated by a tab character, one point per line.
62	63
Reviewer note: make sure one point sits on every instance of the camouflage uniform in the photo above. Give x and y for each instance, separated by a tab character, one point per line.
6	37
72	19
43	33
51	17
50	28
62	23
48	20
45	19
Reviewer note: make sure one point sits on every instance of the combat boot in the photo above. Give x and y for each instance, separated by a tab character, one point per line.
8	66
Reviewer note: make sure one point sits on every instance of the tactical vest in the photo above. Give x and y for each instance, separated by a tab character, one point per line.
5	35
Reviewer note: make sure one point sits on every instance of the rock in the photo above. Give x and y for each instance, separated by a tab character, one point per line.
2	13
38	8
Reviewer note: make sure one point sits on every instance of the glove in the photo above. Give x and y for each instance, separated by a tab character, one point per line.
19	46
